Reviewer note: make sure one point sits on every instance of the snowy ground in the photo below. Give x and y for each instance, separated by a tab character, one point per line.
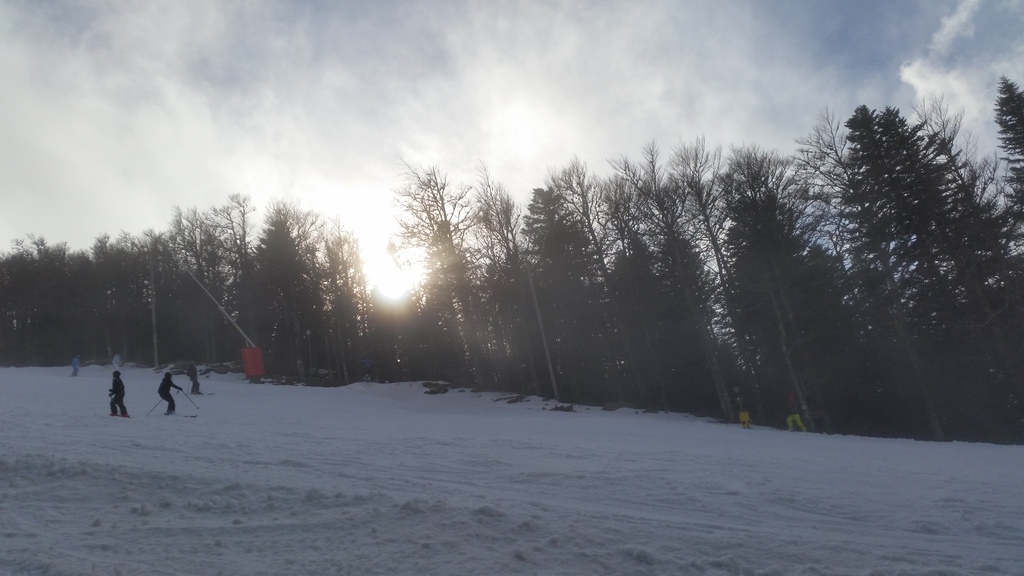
383	479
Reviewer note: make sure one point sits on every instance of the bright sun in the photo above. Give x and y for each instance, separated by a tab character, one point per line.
392	282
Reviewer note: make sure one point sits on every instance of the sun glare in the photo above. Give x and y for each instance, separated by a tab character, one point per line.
387	278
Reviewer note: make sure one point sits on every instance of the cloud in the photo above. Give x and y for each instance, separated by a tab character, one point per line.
112	113
963	70
958	24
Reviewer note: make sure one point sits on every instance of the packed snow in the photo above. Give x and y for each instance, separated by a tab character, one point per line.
385	479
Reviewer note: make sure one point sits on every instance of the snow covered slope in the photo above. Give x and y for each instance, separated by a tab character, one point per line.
383	479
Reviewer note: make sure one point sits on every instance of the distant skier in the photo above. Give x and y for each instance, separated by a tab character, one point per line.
116	361
744	415
74	366
117	396
193	375
794	421
165	392
367	367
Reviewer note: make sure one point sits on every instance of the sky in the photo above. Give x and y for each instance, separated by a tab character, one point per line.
385	480
112	113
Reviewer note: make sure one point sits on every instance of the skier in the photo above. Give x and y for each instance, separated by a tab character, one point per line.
744	415
117	396
74	366
193	375
794	415
367	367
117	361
165	392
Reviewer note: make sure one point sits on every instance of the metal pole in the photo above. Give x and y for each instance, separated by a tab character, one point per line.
543	336
221	308
309	344
152	305
327	351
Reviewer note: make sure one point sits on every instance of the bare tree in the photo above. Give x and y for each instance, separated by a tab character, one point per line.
497	238
697	171
437	217
664	207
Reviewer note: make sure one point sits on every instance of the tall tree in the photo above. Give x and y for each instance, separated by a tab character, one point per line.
287	285
122	274
1010	119
781	280
436	217
682	267
697	170
505	309
566	284
639	292
586	196
891	202
234	226
979	244
202	257
347	300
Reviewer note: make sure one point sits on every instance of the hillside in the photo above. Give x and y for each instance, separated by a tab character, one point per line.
384	479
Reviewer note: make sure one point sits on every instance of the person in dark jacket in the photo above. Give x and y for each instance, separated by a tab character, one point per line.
117	396
193	375
165	392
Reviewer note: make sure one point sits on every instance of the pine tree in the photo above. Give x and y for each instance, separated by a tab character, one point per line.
768	242
568	295
1010	119
287	294
892	203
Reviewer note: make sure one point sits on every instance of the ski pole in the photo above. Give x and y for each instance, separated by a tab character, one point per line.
154	406
190	400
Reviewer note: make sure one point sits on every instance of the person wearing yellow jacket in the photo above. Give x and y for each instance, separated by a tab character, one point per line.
793	421
744	414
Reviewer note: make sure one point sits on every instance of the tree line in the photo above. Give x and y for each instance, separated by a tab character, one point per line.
877	275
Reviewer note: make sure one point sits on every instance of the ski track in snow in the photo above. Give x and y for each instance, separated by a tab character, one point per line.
383	479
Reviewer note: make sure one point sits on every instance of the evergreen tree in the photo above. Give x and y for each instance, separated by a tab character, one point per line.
287	295
784	295
894	203
568	297
1010	119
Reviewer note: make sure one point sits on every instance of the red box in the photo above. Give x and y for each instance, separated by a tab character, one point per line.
252	362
